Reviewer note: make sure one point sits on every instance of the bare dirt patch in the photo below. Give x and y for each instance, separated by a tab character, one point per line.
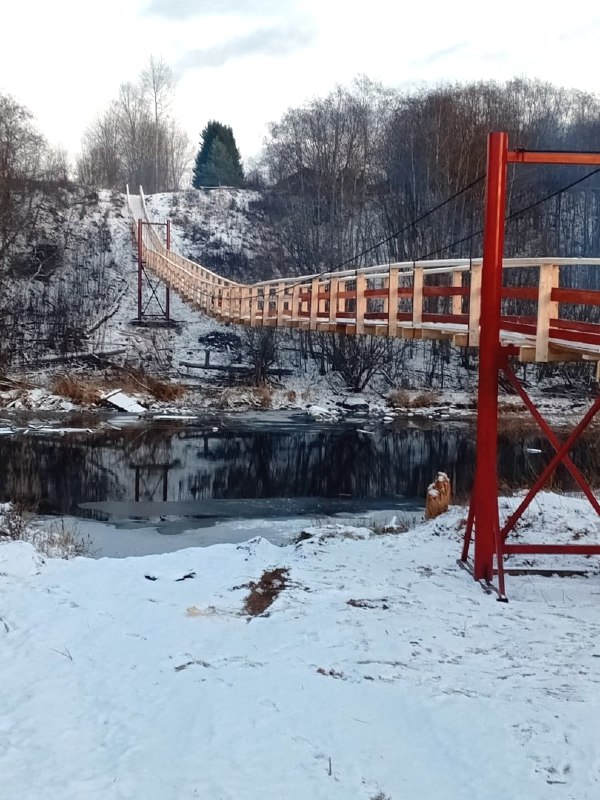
264	593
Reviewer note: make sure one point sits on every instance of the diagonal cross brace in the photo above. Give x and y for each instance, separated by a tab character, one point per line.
561	456
551	436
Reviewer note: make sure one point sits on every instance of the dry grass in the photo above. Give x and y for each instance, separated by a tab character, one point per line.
135	380
87	392
78	390
61	539
265	592
264	396
400	398
291	396
508	407
425	399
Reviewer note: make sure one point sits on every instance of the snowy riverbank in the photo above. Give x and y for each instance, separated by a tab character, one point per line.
381	670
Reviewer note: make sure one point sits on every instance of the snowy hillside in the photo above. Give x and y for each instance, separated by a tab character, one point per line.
223	229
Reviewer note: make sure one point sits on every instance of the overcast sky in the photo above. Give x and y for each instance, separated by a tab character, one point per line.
244	62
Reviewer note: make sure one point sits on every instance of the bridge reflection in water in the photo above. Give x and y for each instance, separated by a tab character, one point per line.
252	470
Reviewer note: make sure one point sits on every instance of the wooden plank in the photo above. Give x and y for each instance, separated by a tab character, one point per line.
434	333
585	297
392	303
460	340
547	309
527	354
455	292
474	305
520	292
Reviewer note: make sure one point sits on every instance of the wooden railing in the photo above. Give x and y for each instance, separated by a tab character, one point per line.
413	300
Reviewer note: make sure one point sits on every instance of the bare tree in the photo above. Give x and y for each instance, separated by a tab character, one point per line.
157	83
22	150
136	140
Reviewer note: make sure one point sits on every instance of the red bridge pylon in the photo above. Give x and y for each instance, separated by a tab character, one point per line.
483	522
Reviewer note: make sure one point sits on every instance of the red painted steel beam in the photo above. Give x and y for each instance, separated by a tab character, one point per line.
487	525
554	549
542	157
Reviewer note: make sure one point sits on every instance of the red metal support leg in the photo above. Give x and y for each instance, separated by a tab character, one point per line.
485	497
140	253
168	291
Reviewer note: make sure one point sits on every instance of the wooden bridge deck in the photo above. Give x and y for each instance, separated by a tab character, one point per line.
422	300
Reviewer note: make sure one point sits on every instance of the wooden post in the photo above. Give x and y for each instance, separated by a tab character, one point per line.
226	308
245	303
392	302
295	303
314	303
333	300
361	302
474	305
417	299
457	298
253	304
280	303
547	309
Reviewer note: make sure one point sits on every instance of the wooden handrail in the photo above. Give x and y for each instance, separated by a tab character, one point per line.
423	299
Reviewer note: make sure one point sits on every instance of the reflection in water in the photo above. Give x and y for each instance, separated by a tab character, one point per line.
157	463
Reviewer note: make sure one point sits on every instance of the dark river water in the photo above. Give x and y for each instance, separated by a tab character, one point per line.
256	468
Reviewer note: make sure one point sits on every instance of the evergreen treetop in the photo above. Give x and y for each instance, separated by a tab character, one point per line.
218	162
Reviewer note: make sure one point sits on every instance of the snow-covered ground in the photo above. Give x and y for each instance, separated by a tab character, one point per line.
382	670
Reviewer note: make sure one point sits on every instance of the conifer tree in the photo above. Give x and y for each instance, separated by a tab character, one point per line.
218	162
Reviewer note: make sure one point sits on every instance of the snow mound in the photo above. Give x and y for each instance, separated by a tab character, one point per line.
19	560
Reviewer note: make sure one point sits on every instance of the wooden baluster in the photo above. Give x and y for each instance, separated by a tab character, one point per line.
417	298
392	302
295	305
280	300
474	305
227	302
547	309
333	301
361	302
314	303
245	303
253	293
457	298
